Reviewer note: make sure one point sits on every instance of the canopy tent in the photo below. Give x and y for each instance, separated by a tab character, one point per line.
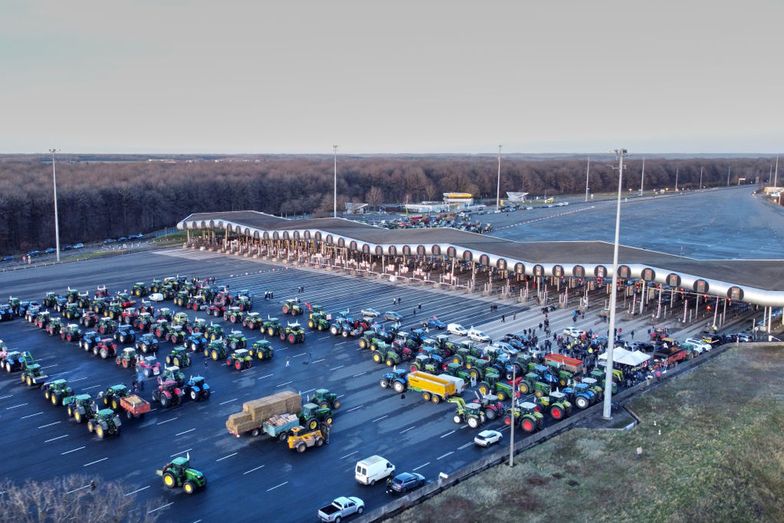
626	357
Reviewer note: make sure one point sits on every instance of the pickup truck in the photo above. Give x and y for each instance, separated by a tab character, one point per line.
341	508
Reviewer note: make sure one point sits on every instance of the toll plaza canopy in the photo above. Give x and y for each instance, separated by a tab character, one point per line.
759	282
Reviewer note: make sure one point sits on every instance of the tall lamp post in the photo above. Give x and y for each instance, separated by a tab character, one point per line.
498	187
335	194
587	177
608	377
56	221
512	413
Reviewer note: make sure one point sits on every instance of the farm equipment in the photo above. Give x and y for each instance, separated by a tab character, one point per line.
177	335
173	373
301	440
128	316
49	299
233	315
293	307
434	388
124	334
470	413
318	321
112	395
168	393
397	380
56	391
15	360
181	319
128	358
216	350
386	354
326	399
139	289
556	404
134	406
89	340
161	329
70	332
80	407
164	313
494	384
271	326
261	349
273	415
196	388
178	473
196	342
197	326
428	363
106	325
143	321
54	326
252	321
179	357
99	304
114	310
236	340
583	394
72	311
149	366
213	332
527	415
293	333
147	344
197	303
181	299
105	348
72	295
244	302
106	422
42	319
240	359
32	375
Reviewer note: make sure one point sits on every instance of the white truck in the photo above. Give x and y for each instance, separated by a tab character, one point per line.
341	508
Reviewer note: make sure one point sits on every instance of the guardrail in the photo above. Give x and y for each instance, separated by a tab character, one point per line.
501	455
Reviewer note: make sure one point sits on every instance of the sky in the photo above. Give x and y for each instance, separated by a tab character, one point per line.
409	76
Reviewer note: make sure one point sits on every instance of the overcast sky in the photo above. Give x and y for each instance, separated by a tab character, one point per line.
395	76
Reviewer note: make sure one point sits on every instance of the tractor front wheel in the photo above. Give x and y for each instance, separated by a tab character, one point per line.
473	422
189	487
457	419
384	383
99	432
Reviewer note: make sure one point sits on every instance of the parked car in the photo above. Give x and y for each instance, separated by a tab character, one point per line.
457	329
78	245
700	345
487	438
371	470
155	296
369	313
405	482
340	508
434	323
392	316
477	335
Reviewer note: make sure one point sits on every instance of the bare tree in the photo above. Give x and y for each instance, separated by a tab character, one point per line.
375	196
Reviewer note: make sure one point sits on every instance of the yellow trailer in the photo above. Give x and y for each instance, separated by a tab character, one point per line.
433	388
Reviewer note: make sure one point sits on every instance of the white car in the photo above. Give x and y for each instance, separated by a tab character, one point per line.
156	296
477	335
456	328
369	313
487	438
699	345
573	332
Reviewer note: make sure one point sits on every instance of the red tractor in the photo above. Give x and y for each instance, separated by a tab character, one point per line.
129	315
105	348
168	393
89	319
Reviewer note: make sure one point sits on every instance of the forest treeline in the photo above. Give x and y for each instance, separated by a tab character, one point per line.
99	200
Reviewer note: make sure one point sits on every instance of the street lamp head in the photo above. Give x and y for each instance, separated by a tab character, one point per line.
52	151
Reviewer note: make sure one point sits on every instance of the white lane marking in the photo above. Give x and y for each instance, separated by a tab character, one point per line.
161	507
406	430
254	469
72	450
49	424
77	379
447	434
352	409
227	401
445	455
299	355
16	406
360	374
307	391
185	432
55	439
137	490
461	447
32	415
334	368
266	376
94	462
328	336
167	420
421	466
6	397
340	395
50	366
92	387
276	486
341	343
226	457
382	417
284	384
78	489
181	452
349	454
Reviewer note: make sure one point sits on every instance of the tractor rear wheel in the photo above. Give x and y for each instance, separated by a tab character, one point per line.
99	432
70	411
528	425
169	480
90	426
176	361
399	387
377	357
55	400
336	404
313	424
164	401
363	343
46	394
491	414
189	487
214	355
115	404
390	362
292	339
238	365
319	442
524	388
556	412
501	396
78	416
582	402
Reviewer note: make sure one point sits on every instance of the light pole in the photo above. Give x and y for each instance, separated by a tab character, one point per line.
498	187
729	171
642	178
587	174
511	416
56	221
700	177
776	173
335	195
677	171
608	377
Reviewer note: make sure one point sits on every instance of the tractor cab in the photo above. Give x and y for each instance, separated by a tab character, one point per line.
172	373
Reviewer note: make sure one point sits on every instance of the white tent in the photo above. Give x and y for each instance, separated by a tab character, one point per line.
625	357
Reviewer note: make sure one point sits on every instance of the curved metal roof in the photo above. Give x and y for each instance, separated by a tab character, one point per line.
755	281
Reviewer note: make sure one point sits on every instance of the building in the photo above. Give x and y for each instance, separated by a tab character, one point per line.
516	197
458	200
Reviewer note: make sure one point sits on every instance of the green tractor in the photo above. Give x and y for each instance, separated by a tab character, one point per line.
326	399
54	326
72	311
33	376
99	305
177	335
233	314
261	349
458	371
236	340
470	413
252	321
181	299
293	307
179	357
70	332
178	473
556	404
111	396
312	415
181	318
56	391
318	321
156	285
114	310
294	333
72	295
50	299
139	289
80	407
216	350
385	353
213	332
271	326
494	384
240	359
106	422
527	416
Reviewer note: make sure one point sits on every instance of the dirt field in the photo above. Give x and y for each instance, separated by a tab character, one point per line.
713	450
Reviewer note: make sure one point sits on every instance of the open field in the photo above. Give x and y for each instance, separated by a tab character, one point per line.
718	457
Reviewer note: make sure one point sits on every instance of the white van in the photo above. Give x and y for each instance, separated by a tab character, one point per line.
373	469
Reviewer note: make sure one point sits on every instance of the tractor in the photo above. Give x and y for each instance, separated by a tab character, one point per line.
156	285
261	349
168	393
458	371
89	340
178	473
197	326
106	422
294	333
128	358
493	384
147	344
128	316
196	342
386	354
240	359
181	299
301	439
196	389
585	393
106	325
70	332
111	396
293	307
470	413
234	315
124	334
143	321
492	406
181	319
271	326
101	291
105	348
149	366
72	295
161	329
80	407
397	380
556	404
146	307
99	305
252	321
172	373
311	415
15	360
326	399
177	335
245	303
527	415
72	311
32	375
31	314
49	299
318	321
197	303
433	364
84	300
164	313
114	310
236	340
54	326
42	319
214	332
179	357
216	350
89	319
139	289
56	391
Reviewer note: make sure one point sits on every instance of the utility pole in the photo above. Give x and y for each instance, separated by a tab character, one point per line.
608	377
776	174
676	179
335	198
642	178
498	187
587	175
700	177
56	220
512	417
729	170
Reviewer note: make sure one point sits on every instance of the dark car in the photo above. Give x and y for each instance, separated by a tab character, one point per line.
109	240
78	246
8	258
50	250
405	482
434	323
